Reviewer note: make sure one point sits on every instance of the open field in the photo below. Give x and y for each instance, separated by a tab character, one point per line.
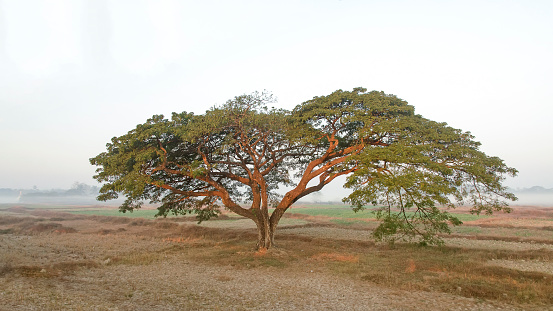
92	258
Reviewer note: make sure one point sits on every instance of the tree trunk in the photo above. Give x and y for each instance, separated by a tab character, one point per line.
266	228
265	236
274	220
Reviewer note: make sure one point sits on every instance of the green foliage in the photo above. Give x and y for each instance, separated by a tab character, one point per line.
427	164
242	151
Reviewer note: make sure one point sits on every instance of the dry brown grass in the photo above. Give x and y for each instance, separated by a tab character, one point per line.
501	238
37	250
28	225
336	257
57	269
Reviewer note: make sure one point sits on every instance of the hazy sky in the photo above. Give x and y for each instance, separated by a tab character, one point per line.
74	73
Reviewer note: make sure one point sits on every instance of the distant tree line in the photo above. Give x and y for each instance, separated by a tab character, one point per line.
533	190
77	189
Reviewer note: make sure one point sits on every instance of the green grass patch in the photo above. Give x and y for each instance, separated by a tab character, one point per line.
115	212
140	213
335	212
347	213
466	230
355	223
469	217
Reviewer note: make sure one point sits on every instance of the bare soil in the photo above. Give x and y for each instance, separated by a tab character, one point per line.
59	261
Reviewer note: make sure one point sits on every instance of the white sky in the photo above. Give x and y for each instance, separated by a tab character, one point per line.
74	73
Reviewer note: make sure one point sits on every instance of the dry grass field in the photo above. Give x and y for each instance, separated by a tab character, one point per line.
60	259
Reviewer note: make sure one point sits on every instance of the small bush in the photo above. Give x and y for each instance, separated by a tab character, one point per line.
165	225
6	231
44	227
140	222
11	220
65	230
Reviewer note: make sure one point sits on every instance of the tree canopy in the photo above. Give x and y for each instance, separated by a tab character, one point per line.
238	154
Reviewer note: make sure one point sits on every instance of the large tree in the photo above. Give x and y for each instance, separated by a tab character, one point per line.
238	154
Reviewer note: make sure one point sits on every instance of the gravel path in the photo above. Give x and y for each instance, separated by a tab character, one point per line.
524	265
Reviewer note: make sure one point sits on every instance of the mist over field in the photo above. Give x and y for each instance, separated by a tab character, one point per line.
533	198
78	194
82	194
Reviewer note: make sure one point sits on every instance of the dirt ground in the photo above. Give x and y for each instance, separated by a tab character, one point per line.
58	261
